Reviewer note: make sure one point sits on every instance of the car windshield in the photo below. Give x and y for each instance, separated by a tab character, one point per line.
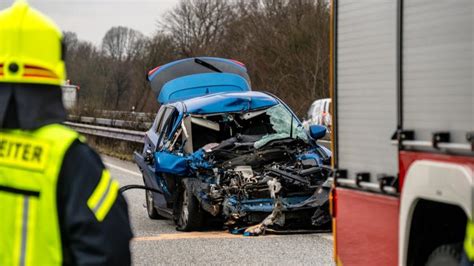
253	129
284	124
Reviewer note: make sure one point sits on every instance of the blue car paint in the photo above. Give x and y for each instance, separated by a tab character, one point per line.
196	160
231	102
166	162
222	103
311	155
262	205
317	131
188	59
197	85
162	186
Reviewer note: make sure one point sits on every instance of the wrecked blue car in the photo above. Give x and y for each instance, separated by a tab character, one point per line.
218	151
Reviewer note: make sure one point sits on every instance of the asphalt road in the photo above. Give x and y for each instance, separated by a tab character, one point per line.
157	241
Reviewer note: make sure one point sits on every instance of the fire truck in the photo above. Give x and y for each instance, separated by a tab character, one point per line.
403	134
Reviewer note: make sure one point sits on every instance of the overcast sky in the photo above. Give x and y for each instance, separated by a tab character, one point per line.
90	19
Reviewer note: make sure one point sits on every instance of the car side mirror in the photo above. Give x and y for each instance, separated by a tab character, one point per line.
148	156
317	131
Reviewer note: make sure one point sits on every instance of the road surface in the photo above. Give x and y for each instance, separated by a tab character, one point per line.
157	241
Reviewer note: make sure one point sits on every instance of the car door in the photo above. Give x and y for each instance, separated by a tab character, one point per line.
146	161
164	131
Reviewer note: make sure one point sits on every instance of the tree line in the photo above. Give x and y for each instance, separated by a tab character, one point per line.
283	43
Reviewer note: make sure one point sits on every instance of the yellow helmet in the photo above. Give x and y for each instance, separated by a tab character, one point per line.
31	48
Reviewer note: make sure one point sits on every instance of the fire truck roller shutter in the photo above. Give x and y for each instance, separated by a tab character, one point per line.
438	89
366	87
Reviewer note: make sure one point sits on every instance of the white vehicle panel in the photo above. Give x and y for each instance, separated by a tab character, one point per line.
366	87
438	90
448	183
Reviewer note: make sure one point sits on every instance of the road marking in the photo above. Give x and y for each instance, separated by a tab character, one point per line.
194	235
123	169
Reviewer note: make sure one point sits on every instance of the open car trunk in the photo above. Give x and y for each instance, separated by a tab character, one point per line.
194	77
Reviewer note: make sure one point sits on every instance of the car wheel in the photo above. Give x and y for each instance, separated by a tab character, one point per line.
445	255
188	215
150	206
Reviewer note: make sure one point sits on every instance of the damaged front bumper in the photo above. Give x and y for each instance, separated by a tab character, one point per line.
276	214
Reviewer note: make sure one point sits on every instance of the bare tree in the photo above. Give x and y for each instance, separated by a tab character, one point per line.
159	50
123	47
122	43
197	26
285	45
70	40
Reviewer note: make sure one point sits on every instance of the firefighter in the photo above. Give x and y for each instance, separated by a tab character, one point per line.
58	203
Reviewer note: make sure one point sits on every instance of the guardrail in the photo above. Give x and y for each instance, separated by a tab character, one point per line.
108	132
117	114
116	123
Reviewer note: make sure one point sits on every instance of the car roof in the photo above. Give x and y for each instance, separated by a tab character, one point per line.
228	102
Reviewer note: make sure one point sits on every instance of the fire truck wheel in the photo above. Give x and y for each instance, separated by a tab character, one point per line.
445	255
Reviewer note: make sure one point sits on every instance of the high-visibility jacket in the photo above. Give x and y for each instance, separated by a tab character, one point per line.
469	241
30	163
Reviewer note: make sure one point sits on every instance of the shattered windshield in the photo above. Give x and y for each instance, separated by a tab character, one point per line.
250	130
284	124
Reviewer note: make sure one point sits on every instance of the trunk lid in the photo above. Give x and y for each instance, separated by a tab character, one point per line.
195	77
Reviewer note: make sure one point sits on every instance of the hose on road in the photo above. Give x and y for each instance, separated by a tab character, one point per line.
125	188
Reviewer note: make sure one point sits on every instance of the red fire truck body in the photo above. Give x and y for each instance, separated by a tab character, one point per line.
403	131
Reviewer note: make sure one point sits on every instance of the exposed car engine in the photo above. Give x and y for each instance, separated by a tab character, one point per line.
247	183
